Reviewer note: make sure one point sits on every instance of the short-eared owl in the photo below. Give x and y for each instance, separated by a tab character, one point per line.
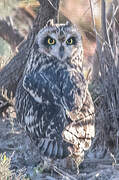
52	98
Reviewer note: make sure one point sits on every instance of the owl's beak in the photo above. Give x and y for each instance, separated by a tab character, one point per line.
61	51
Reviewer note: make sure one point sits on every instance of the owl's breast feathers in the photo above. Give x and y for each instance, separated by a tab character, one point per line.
63	107
59	85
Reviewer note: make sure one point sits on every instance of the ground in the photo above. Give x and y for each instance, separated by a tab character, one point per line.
25	157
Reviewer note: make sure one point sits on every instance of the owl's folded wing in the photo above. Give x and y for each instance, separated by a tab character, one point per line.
70	90
40	88
73	94
80	132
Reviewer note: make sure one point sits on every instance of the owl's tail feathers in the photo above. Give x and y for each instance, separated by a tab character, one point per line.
53	148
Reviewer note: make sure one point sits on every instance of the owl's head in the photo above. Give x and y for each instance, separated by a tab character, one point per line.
60	40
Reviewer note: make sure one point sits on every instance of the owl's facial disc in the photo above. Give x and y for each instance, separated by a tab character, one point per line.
61	51
65	45
60	46
59	41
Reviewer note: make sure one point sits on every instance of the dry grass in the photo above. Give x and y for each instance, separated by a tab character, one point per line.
5	172
107	102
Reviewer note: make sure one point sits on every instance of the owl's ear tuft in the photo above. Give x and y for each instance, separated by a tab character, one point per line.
50	22
69	23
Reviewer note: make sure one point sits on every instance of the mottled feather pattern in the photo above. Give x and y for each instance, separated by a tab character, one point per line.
66	86
80	132
82	128
49	130
52	99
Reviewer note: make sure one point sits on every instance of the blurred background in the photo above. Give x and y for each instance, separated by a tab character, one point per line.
16	17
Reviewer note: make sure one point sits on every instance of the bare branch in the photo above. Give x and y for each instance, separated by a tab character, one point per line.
93	18
103	21
9	34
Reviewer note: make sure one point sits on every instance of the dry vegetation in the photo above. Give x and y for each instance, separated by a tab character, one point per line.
6	173
107	82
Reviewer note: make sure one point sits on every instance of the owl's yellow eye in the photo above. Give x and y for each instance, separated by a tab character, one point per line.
71	41
51	41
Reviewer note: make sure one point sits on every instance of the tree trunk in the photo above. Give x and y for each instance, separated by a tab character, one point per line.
9	34
12	72
15	27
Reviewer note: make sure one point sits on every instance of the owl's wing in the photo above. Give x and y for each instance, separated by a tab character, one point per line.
80	132
73	93
40	87
50	120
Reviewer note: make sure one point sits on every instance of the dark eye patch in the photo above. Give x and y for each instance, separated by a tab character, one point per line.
48	39
71	41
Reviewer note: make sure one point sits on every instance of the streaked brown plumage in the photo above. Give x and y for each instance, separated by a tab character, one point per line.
52	99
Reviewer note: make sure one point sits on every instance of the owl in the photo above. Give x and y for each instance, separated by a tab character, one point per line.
53	103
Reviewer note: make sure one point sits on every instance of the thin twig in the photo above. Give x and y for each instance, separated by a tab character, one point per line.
64	174
113	18
103	20
52	5
85	12
105	34
93	18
